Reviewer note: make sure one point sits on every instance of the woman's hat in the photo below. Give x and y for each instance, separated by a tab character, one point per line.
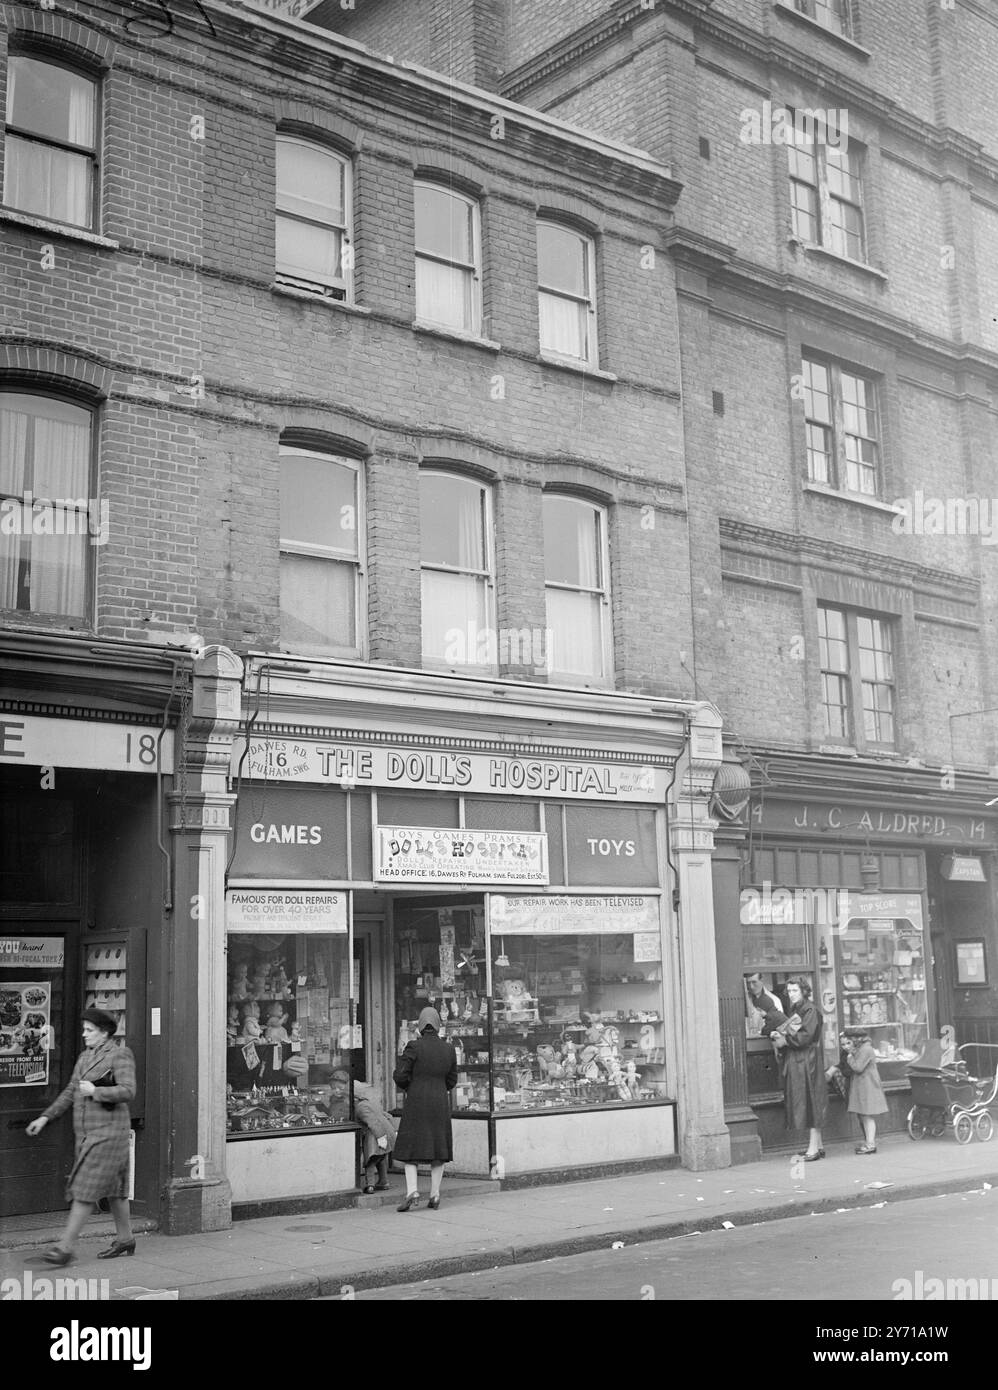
107	1023
429	1018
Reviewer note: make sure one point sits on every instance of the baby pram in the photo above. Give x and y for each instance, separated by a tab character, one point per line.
953	1094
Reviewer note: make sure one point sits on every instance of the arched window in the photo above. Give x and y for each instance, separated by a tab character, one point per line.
448	258
321	553
314	197
458	579
50	157
48	519
577	586
566	296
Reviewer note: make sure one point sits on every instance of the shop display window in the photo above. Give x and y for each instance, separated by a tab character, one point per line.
290	1034
880	971
440	960
577	1022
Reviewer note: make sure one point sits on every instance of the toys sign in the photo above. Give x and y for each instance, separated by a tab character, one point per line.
415	854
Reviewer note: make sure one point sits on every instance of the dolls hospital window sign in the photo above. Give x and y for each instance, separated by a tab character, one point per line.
273	910
418	854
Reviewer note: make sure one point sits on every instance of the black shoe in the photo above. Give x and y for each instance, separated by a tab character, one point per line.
57	1256
367	1191
410	1203
382	1187
813	1158
120	1247
434	1203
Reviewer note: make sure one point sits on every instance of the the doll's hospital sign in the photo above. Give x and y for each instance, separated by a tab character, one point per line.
291	910
417	854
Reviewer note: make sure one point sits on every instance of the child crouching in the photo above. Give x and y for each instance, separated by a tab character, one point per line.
379	1136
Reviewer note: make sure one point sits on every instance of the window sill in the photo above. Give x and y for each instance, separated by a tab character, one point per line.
579	368
61	229
812	248
436	330
858	499
314	297
783	8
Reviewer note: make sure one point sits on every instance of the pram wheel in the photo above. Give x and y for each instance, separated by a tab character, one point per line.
963	1128
916	1125
985	1127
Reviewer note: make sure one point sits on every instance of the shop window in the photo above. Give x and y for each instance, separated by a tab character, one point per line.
826	195
50	156
290	1034
458	580
314	189
448	266
576	576
879	973
49	515
856	653
321	553
566	295
841	428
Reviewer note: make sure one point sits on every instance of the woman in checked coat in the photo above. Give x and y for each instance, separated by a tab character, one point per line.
102	1084
427	1072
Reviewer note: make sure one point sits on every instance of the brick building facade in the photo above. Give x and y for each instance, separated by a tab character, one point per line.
839	373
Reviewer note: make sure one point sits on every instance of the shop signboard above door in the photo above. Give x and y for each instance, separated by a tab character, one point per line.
358	765
854	821
28	740
429	854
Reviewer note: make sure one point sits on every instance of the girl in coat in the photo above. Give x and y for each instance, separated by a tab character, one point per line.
102	1084
427	1072
805	1091
866	1093
379	1136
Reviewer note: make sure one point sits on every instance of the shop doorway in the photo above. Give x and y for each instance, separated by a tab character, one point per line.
39	1043
370	1059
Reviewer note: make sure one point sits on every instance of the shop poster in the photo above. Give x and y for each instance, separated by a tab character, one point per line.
428	854
25	1012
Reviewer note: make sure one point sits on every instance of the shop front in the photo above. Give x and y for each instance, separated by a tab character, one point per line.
516	879
853	896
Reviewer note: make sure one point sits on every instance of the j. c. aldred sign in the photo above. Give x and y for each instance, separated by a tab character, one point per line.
856	821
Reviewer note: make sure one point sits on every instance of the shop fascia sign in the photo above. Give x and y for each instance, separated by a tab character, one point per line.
28	740
285	910
277	759
870	821
429	854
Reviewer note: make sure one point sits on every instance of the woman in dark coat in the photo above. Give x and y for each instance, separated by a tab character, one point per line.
102	1084
427	1072
805	1091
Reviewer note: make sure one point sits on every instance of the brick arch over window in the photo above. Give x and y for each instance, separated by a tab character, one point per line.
45	366
59	34
571	212
433	166
312	123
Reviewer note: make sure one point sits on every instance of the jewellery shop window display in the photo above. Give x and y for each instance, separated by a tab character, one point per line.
289	1035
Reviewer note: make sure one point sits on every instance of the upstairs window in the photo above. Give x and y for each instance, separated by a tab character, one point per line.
458	581
321	553
576	569
830	14
826	196
46	514
857	677
448	267
50	159
313	218
565	293
842	428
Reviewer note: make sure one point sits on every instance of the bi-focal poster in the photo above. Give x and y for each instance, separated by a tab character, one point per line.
25	1008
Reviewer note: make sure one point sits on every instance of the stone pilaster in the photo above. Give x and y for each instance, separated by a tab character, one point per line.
197	1196
703	1135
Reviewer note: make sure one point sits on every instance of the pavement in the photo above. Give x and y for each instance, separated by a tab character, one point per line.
479	1226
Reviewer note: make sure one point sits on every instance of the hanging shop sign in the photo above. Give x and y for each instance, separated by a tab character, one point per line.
419	854
572	914
865	907
25	1009
355	765
963	868
34	741
285	910
854	821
